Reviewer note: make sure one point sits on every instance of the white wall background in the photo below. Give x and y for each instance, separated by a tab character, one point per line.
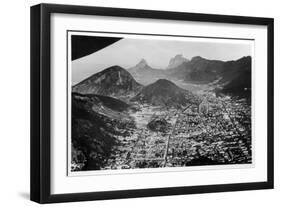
14	101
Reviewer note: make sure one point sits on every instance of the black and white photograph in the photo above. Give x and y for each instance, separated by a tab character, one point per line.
143	101
131	103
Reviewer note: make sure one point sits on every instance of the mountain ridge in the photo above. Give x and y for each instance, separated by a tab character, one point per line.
164	92
114	81
144	73
203	70
176	61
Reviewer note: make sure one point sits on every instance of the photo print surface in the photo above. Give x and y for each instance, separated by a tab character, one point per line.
149	101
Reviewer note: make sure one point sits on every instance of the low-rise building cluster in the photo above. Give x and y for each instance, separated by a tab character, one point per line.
219	134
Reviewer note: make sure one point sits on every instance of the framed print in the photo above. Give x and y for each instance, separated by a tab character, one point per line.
133	103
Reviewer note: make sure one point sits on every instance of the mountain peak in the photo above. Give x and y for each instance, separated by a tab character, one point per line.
179	56
177	60
142	63
141	66
164	82
197	58
114	81
115	67
163	92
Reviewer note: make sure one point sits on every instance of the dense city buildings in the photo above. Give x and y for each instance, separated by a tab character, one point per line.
216	131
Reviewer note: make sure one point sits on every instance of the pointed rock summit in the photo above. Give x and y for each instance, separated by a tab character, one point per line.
140	66
142	63
145	74
177	60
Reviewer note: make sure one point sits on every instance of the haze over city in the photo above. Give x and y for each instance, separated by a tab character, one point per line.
128	52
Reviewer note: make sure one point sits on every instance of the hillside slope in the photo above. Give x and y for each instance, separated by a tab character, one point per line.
166	93
114	81
96	121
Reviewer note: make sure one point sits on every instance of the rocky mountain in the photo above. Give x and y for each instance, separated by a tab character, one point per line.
176	61
96	121
114	81
197	70
145	74
119	83
201	70
165	93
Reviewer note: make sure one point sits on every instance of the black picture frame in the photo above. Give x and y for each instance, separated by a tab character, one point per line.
40	102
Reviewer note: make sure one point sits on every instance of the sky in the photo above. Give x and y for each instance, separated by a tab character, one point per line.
128	52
